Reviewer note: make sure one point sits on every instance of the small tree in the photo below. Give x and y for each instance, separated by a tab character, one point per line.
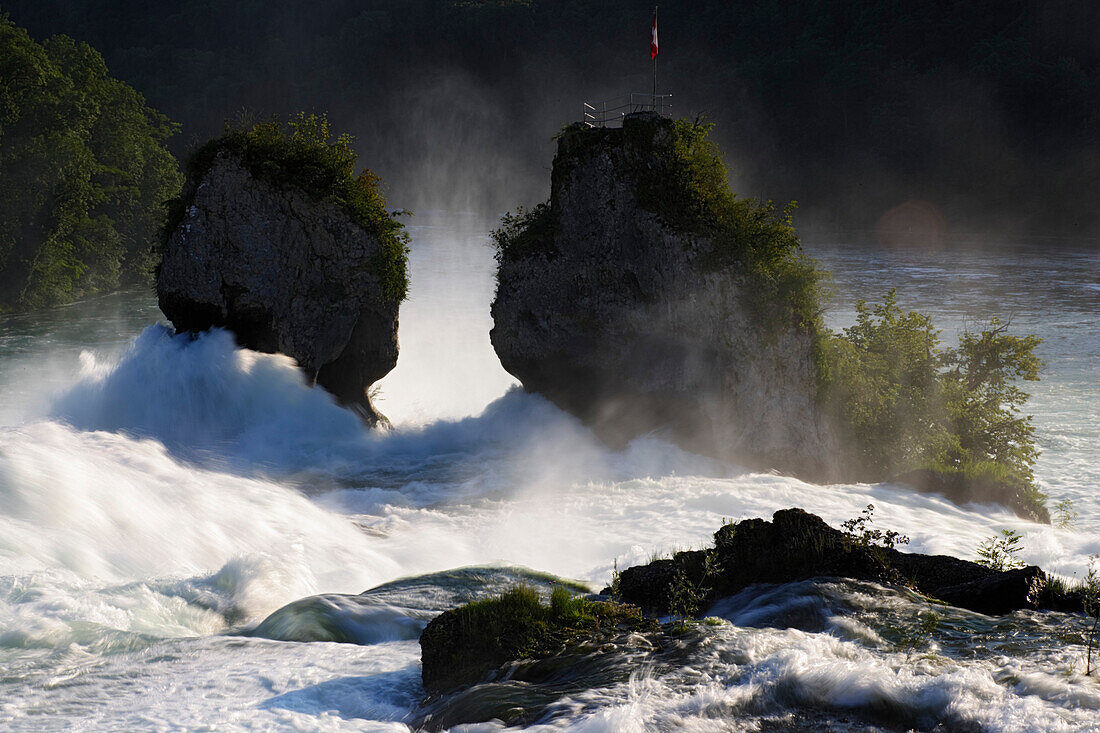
1092	609
858	532
1065	515
999	551
904	402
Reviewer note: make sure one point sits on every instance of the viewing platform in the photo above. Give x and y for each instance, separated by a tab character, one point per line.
610	112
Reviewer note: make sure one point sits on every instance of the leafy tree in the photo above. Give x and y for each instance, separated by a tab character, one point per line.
983	401
883	378
901	401
84	174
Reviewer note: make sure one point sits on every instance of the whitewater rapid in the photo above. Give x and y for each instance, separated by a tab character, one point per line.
161	495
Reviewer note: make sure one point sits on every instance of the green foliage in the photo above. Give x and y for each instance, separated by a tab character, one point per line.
616	579
1091	602
517	624
903	402
524	234
689	189
303	152
84	173
882	372
859	533
1065	515
999	551
982	401
686	597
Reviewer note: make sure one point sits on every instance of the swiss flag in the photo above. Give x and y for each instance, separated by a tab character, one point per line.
653	38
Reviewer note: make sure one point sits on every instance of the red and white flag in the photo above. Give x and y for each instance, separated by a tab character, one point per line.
653	38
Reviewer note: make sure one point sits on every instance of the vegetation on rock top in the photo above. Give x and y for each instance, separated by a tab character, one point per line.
84	174
462	645
303	152
679	176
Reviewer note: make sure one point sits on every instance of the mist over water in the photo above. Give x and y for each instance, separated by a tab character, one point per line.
162	495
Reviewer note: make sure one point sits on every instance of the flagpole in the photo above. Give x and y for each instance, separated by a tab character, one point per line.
654	98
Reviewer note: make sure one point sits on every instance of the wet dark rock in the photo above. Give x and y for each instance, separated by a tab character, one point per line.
997	593
797	545
286	272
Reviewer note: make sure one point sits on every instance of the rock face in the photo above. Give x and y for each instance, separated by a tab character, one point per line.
614	317
285	272
797	545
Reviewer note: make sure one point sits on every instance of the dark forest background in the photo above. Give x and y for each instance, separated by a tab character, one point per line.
946	118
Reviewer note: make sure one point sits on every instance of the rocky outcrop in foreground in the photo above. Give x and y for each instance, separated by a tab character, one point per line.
463	645
286	272
620	313
515	638
797	545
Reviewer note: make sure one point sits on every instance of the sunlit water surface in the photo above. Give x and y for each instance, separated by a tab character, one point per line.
160	497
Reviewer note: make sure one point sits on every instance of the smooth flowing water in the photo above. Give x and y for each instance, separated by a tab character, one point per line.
161	497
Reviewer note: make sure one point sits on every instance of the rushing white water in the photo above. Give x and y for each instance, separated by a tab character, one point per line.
160	494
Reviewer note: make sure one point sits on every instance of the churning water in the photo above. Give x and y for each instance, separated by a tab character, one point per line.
161	497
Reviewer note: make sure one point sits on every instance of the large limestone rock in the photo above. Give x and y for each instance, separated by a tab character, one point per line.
615	317
285	272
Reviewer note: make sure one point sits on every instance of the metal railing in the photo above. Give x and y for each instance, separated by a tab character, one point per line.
610	112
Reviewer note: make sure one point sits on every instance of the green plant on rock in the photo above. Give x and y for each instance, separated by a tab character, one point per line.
616	579
524	233
304	152
999	551
518	625
686	597
859	533
678	175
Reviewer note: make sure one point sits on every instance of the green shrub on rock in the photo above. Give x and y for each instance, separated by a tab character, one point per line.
460	646
678	174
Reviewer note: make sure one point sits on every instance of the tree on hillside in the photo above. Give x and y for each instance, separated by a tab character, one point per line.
84	174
